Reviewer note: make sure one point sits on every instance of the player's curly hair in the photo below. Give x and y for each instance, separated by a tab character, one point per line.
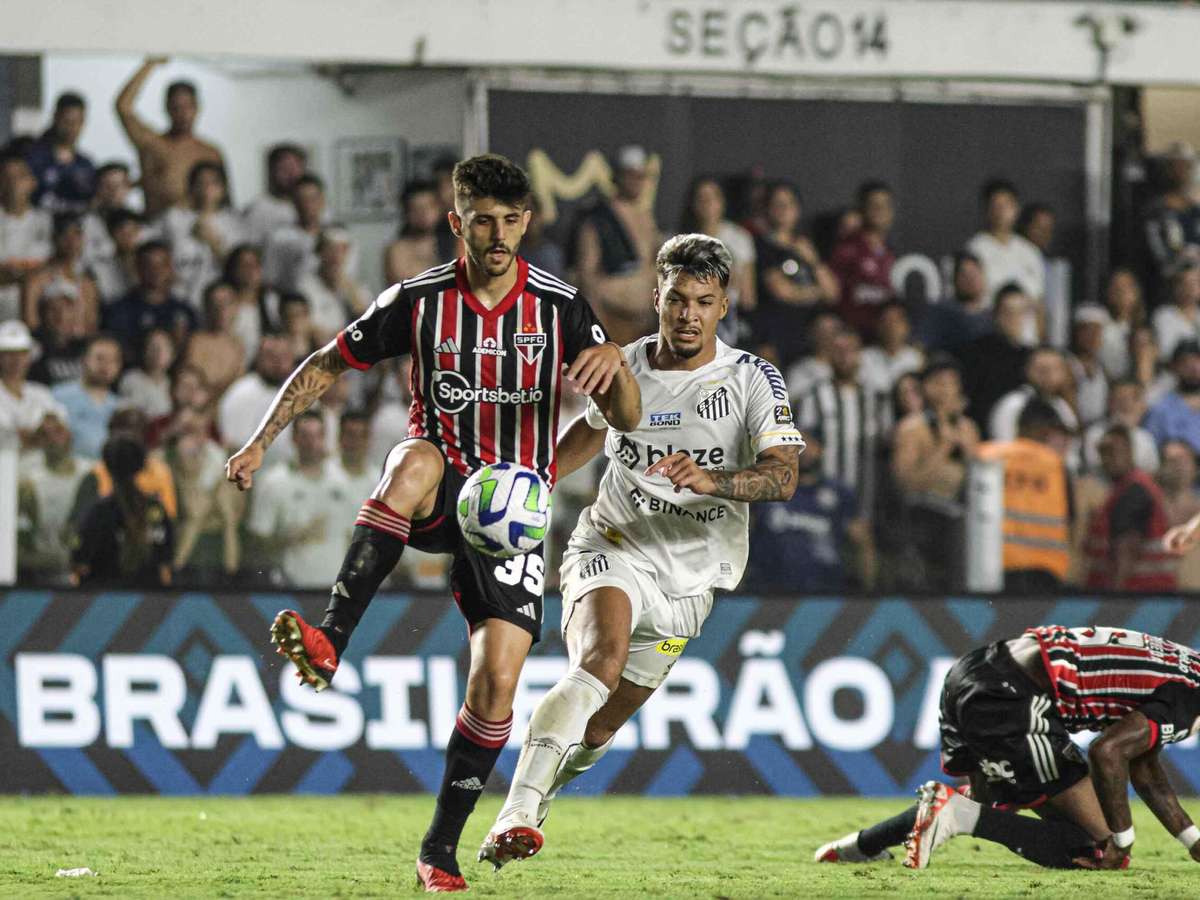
698	255
493	176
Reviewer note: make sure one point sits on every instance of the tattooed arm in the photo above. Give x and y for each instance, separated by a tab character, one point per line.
772	477
302	389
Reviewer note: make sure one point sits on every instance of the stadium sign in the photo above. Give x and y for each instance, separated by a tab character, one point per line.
1074	42
179	694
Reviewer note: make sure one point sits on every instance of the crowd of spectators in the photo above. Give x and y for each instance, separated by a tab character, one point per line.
145	327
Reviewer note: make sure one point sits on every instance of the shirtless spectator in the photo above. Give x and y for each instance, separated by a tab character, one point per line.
167	158
266	214
614	251
112	195
216	348
66	178
25	232
415	250
63	275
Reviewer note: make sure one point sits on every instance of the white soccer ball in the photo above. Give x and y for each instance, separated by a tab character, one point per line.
504	510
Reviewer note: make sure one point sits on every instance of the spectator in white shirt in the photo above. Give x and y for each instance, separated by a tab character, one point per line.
291	251
1126	407
257	303
1179	321
334	297
265	215
148	387
203	232
1123	297
893	354
1046	377
116	273
45	496
243	406
1006	256
25	232
297	511
23	404
354	443
113	186
389	424
705	213
1091	382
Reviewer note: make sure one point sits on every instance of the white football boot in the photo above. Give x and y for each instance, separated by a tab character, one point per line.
845	850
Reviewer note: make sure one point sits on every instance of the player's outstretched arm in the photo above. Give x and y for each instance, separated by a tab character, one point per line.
577	446
1150	780
600	372
772	477
301	390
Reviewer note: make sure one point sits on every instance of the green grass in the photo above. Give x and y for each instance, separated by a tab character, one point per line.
620	846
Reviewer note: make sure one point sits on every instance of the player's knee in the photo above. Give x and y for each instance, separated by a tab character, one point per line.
492	690
605	661
415	461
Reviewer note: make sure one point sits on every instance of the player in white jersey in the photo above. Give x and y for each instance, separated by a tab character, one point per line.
669	525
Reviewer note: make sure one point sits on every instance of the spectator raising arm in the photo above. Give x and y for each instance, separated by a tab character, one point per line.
141	135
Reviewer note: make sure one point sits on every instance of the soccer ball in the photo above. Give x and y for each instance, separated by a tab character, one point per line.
504	509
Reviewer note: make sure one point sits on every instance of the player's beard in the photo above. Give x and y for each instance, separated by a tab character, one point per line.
494	269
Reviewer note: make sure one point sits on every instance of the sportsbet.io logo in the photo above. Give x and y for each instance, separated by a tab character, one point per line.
452	392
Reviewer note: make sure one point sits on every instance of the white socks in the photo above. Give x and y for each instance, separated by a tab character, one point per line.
557	726
578	761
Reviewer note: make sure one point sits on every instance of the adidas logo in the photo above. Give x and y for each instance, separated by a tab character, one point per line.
529	610
468	784
449	345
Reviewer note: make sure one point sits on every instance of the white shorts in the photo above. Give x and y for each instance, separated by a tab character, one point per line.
661	625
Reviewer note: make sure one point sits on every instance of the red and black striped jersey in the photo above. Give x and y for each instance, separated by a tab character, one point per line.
486	383
1099	674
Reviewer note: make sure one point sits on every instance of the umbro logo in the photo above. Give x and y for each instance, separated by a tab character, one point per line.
529	611
468	784
449	345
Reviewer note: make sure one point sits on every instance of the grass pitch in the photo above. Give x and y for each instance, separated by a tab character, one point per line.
613	847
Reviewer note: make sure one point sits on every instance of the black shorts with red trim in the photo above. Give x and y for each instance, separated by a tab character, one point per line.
485	587
1173	711
996	721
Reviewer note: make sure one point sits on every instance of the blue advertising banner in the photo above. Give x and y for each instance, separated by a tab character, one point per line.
180	693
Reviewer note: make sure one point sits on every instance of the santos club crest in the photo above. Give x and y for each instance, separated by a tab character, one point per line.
714	404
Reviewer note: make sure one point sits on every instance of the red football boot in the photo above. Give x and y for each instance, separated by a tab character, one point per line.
308	648
438	881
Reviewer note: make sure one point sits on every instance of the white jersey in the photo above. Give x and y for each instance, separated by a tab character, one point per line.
723	414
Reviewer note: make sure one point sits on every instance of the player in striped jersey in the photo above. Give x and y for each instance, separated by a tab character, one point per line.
1007	713
490	337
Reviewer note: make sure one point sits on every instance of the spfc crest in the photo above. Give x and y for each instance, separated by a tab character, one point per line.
530	346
